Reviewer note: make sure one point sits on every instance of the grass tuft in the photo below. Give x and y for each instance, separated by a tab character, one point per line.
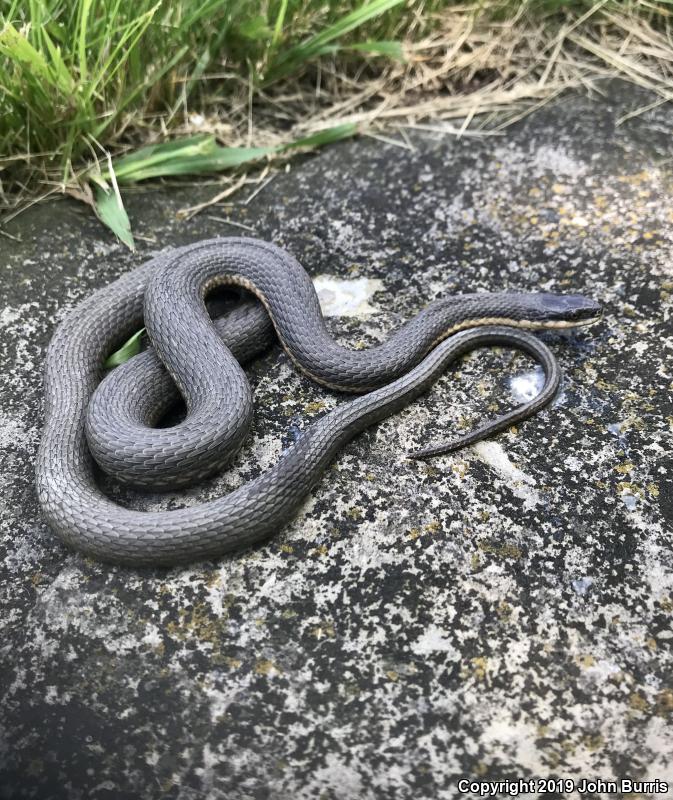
180	87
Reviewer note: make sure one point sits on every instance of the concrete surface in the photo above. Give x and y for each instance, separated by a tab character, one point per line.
501	613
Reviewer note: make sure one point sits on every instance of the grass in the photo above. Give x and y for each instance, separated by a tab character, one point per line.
74	70
174	87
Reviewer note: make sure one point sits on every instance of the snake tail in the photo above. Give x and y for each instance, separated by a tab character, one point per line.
534	348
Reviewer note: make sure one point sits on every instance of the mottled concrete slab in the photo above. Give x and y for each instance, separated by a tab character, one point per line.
501	613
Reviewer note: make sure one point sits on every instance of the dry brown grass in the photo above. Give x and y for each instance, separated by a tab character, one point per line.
472	77
480	73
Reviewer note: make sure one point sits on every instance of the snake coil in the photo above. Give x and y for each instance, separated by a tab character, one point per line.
112	420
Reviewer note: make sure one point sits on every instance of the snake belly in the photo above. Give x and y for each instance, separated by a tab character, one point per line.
168	294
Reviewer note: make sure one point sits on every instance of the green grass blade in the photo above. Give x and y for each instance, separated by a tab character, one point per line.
325	136
16	47
390	49
200	154
127	167
62	75
192	156
83	23
311	47
280	19
109	208
122	52
221	158
255	28
130	348
138	90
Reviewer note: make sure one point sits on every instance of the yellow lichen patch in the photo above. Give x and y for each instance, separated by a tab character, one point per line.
433	526
666	604
651	642
392	675
653	490
475	562
637	702
159	649
593	741
320	551
214	579
323	631
506	550
287	548
627	487
313	408
664	703
413	533
263	666
198	623
568	746
355	512
480	667
232	663
632	421
635	180
504	610
622	469
460	468
585	661
464	423
619	678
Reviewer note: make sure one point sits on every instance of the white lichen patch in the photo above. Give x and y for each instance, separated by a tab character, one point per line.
521	483
346	297
528	385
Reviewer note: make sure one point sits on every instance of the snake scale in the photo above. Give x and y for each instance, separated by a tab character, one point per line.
113	420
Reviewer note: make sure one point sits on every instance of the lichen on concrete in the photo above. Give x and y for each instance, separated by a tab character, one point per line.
503	612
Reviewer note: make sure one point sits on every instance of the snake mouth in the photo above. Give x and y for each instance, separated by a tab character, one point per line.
563	324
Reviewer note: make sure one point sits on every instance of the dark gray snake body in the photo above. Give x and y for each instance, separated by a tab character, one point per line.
114	420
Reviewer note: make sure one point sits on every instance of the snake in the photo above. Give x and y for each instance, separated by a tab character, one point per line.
94	421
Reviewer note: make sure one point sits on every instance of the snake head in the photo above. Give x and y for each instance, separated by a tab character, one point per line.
567	309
